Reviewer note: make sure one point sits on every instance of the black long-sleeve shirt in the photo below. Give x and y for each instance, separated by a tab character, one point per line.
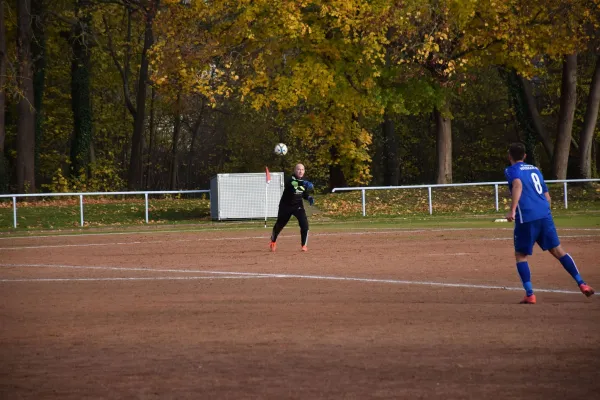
293	192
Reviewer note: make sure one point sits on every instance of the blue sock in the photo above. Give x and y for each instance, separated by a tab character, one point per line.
569	264
525	274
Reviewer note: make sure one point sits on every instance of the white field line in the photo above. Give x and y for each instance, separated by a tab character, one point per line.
156	278
387	232
136	269
84	234
560	237
244	228
295	276
447	254
199	240
94	244
184	231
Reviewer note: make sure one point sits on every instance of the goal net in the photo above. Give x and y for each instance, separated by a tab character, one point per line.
245	196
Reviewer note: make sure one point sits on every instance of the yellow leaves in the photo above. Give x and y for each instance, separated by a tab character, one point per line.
161	80
339	56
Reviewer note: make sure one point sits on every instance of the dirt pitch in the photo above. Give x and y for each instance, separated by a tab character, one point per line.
364	314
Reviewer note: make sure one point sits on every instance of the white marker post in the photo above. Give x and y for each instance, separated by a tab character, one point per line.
268	176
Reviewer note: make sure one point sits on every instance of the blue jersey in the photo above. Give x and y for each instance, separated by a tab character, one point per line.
533	204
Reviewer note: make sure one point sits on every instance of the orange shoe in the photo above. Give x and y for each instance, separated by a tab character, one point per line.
528	300
273	246
304	248
587	290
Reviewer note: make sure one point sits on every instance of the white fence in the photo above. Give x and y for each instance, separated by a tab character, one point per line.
362	189
80	195
430	187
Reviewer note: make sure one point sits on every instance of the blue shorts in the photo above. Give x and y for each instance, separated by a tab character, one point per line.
541	231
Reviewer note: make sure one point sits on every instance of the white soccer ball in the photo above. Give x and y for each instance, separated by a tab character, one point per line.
281	149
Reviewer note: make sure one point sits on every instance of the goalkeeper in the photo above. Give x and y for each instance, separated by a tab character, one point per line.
295	190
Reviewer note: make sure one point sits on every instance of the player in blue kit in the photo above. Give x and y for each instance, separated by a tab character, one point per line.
530	209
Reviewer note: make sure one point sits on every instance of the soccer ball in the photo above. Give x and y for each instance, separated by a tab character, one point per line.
281	149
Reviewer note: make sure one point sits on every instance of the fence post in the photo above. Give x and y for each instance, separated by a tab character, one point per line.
496	189
565	190
81	208
146	197
430	203
364	206
15	211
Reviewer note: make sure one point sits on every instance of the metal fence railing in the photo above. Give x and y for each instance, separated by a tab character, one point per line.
430	187
81	195
363	190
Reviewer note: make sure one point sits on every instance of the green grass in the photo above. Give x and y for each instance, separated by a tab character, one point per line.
452	207
65	214
447	201
563	220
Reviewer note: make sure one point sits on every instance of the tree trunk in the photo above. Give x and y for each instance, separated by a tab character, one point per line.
568	100
174	158
80	92
589	125
528	119
390	152
378	159
336	174
443	144
38	50
390	144
2	80
151	136
26	110
195	132
535	118
596	158
139	122
92	152
4	178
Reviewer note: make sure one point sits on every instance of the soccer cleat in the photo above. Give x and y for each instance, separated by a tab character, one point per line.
304	248
528	300
587	290
273	246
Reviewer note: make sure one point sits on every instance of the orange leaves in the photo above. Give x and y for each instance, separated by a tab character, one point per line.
516	32
342	61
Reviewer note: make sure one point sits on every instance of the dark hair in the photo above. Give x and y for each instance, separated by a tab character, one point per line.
517	151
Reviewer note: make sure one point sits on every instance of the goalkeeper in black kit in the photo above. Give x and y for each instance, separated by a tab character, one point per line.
295	190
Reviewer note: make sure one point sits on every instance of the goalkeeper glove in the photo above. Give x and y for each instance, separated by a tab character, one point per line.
308	185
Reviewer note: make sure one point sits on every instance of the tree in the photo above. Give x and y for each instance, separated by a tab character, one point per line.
589	124
525	110
568	98
390	144
265	54
147	9
80	40
39	22
26	105
526	93
434	37
522	28
173	181
3	60
443	125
